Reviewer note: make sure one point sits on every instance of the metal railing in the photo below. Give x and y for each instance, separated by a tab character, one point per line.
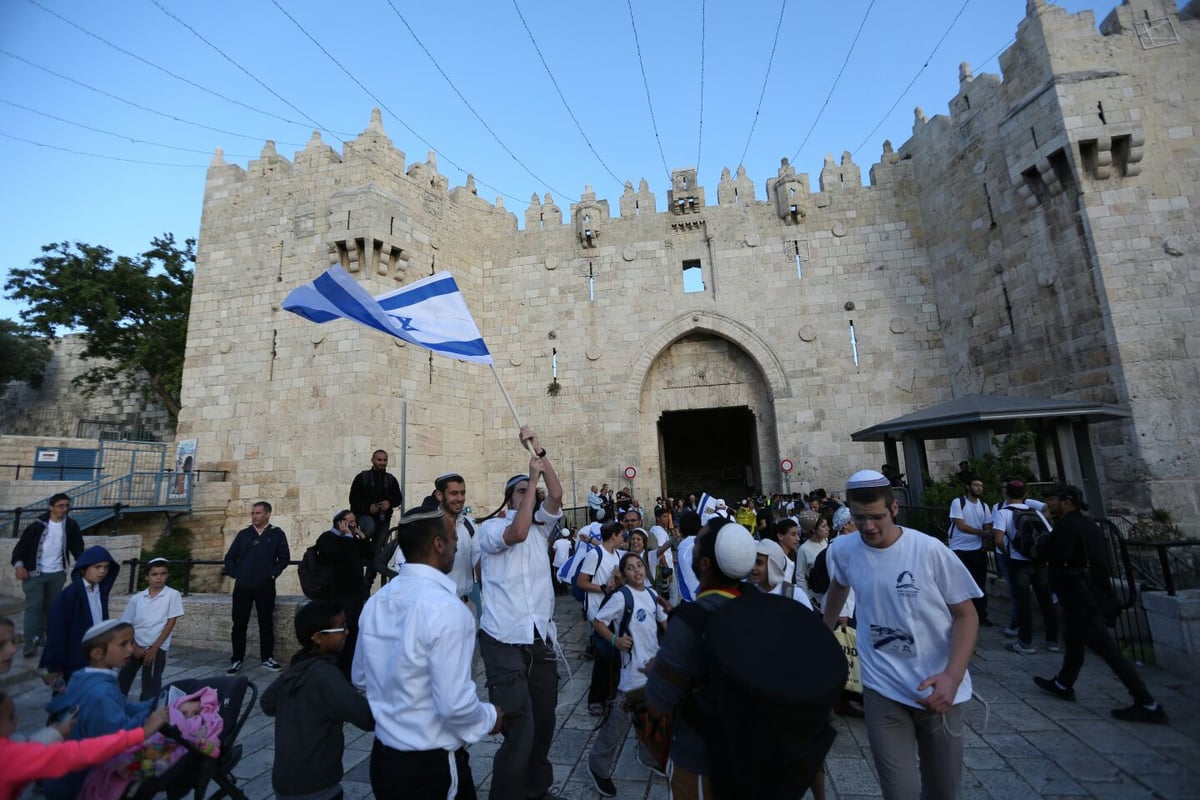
97	501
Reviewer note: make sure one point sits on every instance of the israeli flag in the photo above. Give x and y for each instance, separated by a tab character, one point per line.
430	313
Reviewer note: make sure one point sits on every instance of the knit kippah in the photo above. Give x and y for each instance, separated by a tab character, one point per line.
867	479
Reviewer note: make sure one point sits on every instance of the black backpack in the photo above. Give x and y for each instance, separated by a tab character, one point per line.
316	575
771	732
818	575
1029	529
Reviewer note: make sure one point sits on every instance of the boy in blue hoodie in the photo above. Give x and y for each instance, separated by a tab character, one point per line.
93	691
76	609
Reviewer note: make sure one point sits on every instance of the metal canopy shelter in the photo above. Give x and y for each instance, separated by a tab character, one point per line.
1061	427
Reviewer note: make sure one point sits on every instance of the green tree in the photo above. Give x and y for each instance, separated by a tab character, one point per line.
1009	458
23	356
131	311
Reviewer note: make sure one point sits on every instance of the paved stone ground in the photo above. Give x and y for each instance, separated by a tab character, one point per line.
1019	742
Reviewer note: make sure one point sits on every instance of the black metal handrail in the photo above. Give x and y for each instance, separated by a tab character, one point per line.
1163	550
135	564
17	512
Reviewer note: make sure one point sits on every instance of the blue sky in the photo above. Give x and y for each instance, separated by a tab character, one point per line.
277	84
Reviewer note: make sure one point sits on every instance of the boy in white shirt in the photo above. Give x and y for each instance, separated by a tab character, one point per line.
916	632
636	645
153	613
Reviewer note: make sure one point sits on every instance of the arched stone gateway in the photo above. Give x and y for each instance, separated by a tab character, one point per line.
706	409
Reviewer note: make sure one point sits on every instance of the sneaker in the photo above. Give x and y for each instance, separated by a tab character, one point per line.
1053	647
1139	713
234	668
1010	632
1016	646
271	665
1050	685
640	758
604	786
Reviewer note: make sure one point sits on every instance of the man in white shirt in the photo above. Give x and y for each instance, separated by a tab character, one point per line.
970	531
916	633
450	490
1025	573
517	633
416	641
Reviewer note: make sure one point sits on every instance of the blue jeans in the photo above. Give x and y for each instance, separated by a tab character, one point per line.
1027	574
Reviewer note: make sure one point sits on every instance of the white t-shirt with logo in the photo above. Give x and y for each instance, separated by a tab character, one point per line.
643	627
976	515
903	595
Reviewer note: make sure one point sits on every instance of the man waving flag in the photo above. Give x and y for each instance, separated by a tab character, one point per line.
430	313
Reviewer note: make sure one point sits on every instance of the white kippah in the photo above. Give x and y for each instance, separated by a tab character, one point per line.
735	552
99	629
867	479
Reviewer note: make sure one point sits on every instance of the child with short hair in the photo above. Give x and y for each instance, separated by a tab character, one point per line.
310	701
153	613
76	609
93	695
636	646
30	761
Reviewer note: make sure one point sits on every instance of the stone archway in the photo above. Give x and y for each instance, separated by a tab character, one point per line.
720	378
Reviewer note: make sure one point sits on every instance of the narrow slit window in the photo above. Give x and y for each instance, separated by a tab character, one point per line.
693	277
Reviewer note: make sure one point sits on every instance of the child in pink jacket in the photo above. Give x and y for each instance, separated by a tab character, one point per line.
25	762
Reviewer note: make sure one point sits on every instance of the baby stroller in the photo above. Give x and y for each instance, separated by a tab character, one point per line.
195	769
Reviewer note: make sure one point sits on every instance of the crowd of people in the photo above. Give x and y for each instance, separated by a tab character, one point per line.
653	583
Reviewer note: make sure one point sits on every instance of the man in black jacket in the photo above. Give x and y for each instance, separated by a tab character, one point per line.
346	549
258	555
40	561
1079	568
374	495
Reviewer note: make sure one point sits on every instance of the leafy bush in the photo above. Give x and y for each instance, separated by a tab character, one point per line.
173	546
1009	458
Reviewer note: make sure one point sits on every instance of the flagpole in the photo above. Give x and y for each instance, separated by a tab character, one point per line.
511	407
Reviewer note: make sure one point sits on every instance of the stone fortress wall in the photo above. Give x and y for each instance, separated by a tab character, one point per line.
1020	245
61	409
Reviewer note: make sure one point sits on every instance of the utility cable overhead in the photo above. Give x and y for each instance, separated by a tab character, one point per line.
988	60
646	84
562	97
467	103
161	68
832	88
700	127
115	135
763	93
98	155
244	71
384	105
139	106
928	58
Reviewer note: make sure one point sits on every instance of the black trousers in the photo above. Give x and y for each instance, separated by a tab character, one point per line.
976	563
606	669
263	601
522	680
419	775
151	675
1086	628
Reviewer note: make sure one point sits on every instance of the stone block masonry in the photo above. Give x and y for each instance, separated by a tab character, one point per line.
1023	243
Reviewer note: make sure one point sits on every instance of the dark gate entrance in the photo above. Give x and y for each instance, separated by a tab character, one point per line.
709	449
